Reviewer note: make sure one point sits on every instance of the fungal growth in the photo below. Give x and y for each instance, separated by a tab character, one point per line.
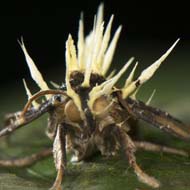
89	113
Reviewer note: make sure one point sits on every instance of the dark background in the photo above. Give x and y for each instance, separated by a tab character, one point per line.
148	27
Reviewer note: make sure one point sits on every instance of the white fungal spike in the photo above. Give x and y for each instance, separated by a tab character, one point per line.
54	84
130	77
96	49
71	64
81	44
92	47
100	15
29	94
89	55
94	55
106	87
110	52
71	59
35	73
104	44
111	74
134	94
110	83
151	97
146	74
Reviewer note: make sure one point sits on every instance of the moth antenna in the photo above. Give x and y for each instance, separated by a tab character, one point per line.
147	73
29	94
151	97
39	95
110	52
35	73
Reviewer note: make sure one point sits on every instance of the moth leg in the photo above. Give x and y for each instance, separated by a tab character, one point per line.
129	150
51	125
16	120
156	117
28	160
148	146
59	154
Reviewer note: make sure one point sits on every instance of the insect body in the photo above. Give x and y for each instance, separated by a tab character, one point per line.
90	113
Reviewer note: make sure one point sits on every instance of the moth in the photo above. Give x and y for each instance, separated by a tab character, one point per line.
89	112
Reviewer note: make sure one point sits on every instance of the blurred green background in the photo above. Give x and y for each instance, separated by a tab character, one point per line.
148	31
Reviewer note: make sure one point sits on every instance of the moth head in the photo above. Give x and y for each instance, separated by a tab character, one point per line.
58	99
77	78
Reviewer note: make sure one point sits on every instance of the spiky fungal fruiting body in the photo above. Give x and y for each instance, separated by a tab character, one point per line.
90	113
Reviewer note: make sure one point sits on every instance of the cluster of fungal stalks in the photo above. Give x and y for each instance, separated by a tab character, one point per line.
89	113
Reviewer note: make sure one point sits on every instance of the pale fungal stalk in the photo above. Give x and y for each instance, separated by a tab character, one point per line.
35	73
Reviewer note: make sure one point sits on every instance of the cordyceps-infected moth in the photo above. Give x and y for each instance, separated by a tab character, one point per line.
89	112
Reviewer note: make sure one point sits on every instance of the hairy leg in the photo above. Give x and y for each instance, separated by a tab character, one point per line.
59	154
129	150
28	160
148	146
16	120
51	125
156	117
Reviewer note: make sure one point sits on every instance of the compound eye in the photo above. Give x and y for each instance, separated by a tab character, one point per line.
57	99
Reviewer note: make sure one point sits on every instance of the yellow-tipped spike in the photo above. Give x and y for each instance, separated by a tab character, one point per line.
71	65
71	59
110	52
35	73
147	73
34	103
